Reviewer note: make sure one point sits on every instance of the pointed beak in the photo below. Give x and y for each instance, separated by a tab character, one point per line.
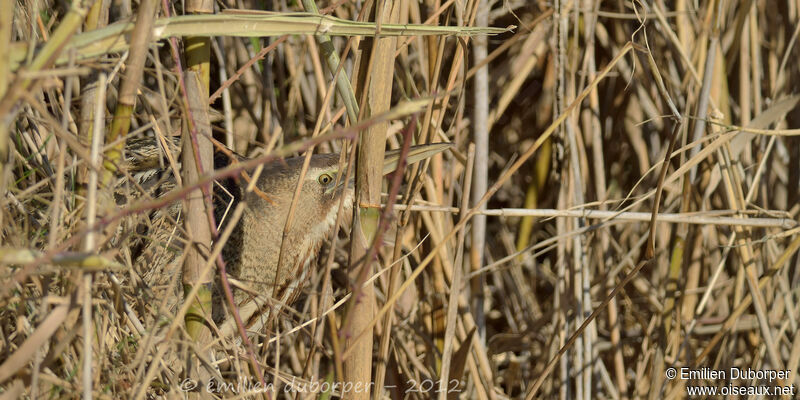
415	154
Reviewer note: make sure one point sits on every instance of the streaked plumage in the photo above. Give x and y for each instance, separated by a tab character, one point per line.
252	252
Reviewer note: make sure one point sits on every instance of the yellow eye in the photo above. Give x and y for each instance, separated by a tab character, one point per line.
325	179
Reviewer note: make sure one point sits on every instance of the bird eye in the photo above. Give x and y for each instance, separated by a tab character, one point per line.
325	179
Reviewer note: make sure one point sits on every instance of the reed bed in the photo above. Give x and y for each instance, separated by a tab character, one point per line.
620	202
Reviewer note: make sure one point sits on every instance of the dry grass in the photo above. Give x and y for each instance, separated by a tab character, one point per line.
591	116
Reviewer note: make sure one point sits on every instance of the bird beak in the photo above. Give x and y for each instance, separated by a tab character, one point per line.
415	154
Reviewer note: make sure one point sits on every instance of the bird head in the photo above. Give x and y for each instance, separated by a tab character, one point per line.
323	184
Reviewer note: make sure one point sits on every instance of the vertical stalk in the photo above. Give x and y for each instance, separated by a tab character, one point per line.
343	86
369	175
198	49
5	43
94	19
120	125
5	119
481	172
89	242
196	222
197	156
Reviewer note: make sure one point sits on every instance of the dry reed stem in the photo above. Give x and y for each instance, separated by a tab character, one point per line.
562	232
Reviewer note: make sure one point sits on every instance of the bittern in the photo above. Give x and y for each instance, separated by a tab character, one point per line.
253	250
